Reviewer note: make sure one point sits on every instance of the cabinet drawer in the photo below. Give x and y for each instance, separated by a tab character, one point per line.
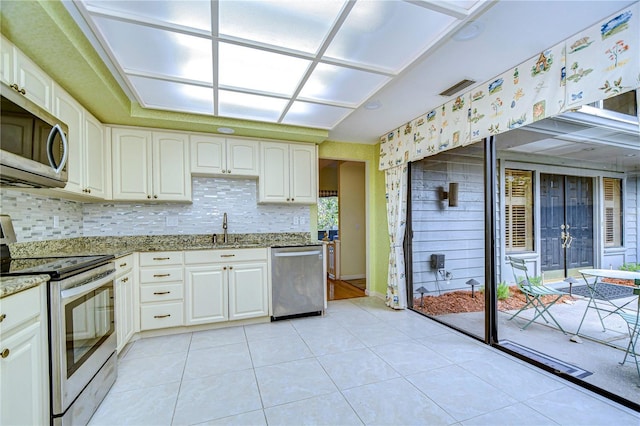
161	315
19	308
124	264
158	275
161	258
224	255
161	292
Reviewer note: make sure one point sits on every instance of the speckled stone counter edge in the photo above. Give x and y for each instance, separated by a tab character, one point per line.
123	245
13	285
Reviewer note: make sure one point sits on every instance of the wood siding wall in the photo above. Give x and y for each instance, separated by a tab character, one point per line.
456	232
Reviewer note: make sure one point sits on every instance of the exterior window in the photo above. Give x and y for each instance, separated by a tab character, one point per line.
519	210
612	212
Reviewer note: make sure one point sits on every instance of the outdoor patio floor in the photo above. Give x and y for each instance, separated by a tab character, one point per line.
599	353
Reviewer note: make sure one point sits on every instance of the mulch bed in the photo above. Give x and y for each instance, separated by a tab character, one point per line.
461	301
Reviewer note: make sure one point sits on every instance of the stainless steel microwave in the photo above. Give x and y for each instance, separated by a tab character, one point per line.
33	144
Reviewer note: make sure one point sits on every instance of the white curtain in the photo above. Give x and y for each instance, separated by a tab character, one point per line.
396	183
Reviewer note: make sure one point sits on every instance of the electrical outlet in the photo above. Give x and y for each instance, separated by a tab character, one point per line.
296	220
172	221
56	221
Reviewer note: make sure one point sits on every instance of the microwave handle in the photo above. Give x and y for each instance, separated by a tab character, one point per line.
65	148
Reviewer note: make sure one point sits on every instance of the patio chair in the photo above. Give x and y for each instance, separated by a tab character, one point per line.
633	324
534	294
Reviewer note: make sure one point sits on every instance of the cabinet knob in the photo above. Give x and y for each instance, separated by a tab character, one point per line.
224	268
224	171
2	317
5	353
230	267
155	196
292	199
149	197
288	199
228	171
126	279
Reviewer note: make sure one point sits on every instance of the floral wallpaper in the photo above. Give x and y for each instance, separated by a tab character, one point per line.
597	63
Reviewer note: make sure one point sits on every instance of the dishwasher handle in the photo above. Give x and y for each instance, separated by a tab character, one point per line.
298	253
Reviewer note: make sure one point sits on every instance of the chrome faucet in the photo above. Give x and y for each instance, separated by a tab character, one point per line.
224	227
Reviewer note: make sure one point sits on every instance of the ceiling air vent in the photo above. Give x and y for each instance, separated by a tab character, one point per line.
457	87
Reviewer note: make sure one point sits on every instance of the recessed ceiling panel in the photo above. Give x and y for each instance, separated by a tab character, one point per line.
297	25
142	49
187	13
253	69
387	34
315	115
341	85
173	96
251	107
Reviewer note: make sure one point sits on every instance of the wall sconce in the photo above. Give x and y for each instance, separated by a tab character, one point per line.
451	195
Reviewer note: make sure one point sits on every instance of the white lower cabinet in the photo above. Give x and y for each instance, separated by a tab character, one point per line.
24	373
226	285
248	294
161	290
207	294
125	303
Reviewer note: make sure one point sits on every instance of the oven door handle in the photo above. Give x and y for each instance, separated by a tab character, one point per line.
75	292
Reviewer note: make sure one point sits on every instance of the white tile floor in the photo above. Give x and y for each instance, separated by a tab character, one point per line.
361	363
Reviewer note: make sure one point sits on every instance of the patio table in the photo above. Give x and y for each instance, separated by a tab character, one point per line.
606	306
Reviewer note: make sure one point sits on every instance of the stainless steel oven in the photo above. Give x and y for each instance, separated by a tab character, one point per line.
82	336
83	343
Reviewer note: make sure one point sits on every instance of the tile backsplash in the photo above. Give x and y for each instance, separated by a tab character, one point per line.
34	215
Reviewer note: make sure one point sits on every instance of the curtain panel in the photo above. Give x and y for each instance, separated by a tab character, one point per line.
597	63
396	180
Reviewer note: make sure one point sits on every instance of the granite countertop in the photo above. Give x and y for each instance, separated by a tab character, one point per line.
121	246
13	285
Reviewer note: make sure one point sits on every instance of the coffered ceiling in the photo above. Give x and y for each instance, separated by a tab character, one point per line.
355	68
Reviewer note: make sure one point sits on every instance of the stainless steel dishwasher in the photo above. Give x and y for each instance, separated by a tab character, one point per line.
297	281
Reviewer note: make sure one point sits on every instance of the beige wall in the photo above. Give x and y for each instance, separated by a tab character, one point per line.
351	196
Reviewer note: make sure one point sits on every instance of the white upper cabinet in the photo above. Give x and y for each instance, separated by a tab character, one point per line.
24	76
217	156
288	173
150	165
89	164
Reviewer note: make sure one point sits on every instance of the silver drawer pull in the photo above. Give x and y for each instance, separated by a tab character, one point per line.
161	258
162	316
227	255
122	265
161	292
161	275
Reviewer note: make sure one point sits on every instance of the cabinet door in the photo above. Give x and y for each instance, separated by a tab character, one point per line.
124	309
38	86
171	171
22	378
303	174
71	112
242	157
96	159
6	61
131	156
206	294
274	172
207	155
248	295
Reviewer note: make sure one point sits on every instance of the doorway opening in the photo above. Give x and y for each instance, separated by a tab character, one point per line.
342	225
